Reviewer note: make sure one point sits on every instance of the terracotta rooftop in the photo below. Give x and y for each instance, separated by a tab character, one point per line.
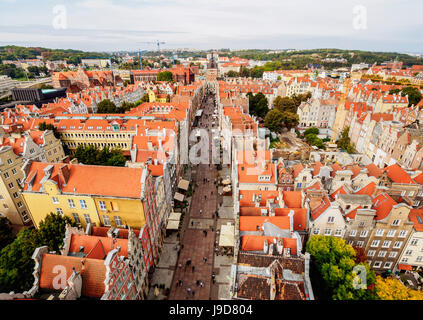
93	272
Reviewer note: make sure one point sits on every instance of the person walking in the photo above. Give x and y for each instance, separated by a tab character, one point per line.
193	268
188	291
205	259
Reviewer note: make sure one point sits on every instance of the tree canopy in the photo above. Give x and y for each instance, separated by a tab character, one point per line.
392	289
16	263
259	106
165	76
6	234
44	126
335	261
103	157
414	95
344	142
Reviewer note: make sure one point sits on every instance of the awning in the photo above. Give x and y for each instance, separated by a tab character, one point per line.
172	225
226	238
179	196
227	189
406	267
176	216
183	184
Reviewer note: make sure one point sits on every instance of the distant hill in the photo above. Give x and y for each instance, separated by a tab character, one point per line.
71	56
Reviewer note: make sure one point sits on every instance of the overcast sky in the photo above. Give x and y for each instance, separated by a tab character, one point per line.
391	25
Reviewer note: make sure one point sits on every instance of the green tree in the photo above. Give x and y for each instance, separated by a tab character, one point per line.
116	158
414	95
314	140
284	104
91	155
345	142
125	106
298	99
106	106
258	104
165	76
312	130
335	261
44	126
16	264
232	74
51	231
290	119
273	121
6	234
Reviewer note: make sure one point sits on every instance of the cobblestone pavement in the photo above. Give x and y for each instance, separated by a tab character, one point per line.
196	244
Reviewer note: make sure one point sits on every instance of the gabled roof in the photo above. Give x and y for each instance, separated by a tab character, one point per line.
368	189
93	272
256	243
373	170
383	204
416	216
88	179
398	174
317	167
297	169
91	243
321	208
340	190
300	217
250	223
292	199
419	178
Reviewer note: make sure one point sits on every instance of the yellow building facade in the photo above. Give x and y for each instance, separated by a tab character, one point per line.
59	188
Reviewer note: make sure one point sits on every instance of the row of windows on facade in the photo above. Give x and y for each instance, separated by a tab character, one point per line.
363	233
87	218
83	204
76	144
379	232
96	135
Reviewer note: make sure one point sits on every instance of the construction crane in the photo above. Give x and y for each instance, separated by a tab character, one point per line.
158	43
140	52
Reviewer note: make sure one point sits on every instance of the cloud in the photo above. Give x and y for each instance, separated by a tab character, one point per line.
107	24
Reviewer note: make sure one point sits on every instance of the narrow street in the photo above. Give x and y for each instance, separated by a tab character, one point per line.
198	232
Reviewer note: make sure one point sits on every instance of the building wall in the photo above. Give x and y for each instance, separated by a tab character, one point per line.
390	254
12	205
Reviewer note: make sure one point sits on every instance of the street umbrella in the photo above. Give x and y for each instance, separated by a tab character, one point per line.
226	181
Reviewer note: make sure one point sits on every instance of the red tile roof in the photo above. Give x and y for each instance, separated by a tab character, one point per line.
256	243
368	189
87	179
373	170
340	190
90	243
93	272
419	178
250	223
300	217
292	199
416	216
383	204
398	174
321	208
